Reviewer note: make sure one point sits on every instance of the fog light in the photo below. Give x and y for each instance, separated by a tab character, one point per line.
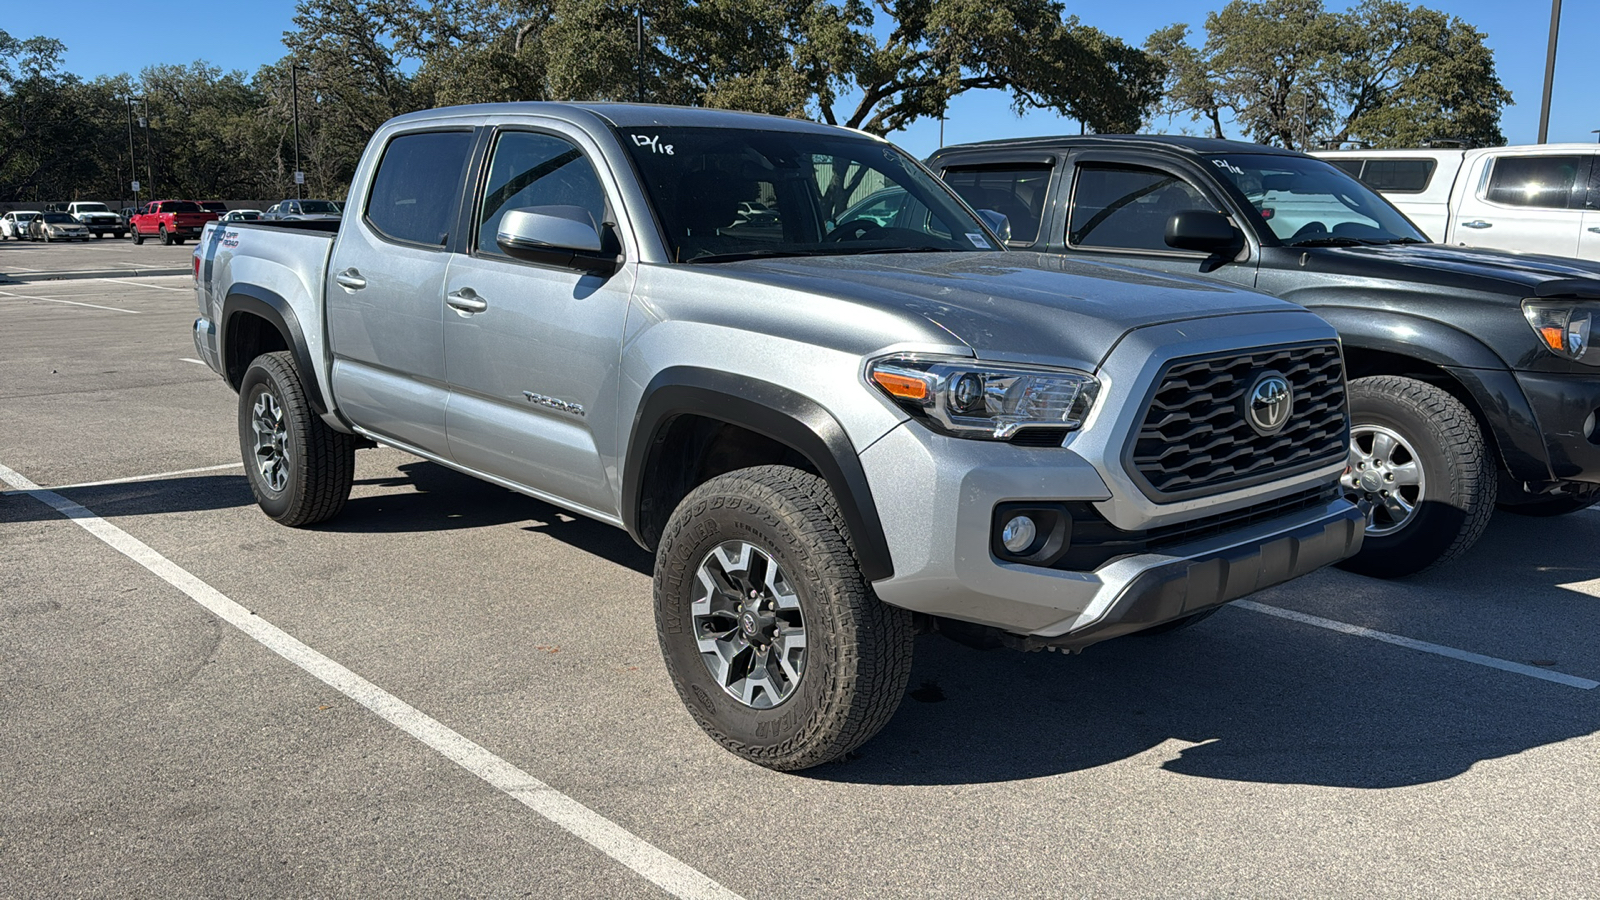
1018	534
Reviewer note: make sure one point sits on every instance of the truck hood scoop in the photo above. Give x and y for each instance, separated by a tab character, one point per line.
1017	305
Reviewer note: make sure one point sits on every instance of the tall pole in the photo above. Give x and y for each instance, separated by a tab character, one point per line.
294	86
133	164
149	150
639	23
1549	71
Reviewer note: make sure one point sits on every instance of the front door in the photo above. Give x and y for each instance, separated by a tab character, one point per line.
532	352
1527	203
386	290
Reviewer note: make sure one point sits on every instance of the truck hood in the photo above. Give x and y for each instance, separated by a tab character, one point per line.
1015	305
1473	269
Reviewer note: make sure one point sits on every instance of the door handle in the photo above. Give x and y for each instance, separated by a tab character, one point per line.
466	301
1477	223
350	280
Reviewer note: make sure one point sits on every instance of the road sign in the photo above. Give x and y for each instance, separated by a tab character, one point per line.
299	178
136	187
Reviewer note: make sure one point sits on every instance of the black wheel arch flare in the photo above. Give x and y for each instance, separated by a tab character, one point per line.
767	409
268	305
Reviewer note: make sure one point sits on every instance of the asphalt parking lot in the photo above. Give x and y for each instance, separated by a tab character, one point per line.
1338	736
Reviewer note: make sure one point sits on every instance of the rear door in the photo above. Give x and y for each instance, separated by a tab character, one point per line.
532	352
1527	202
1589	238
385	290
1019	189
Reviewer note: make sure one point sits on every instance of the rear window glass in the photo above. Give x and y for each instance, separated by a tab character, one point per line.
1541	181
92	207
1017	192
178	206
1398	176
415	193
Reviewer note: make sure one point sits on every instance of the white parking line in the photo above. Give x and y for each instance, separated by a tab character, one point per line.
1424	646
664	871
131	479
198	362
131	312
153	287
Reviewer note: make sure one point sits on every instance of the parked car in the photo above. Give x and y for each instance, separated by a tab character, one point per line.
1473	379
1539	198
174	221
821	433
214	206
242	215
14	224
57	226
303	211
99	219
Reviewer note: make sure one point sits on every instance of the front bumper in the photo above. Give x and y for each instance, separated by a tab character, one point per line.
941	495
1567	408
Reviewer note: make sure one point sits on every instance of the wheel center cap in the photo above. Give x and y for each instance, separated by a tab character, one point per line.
1371	480
749	624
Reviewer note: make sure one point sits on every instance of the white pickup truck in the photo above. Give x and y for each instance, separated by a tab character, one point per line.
1540	198
98	218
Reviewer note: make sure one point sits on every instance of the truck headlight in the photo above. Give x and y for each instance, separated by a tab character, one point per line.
1564	327
973	399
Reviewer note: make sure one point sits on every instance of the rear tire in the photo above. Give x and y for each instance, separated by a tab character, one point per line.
299	469
773	638
1419	456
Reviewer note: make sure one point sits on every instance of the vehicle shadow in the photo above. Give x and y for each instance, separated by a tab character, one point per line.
194	493
1248	697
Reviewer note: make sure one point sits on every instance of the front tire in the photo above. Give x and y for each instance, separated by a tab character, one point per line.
138	239
299	469
773	638
1418	457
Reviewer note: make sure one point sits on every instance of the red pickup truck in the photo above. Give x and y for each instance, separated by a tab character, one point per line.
174	221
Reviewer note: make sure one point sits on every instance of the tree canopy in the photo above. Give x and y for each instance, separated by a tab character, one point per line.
1291	73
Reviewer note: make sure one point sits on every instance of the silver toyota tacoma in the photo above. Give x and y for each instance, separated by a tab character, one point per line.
832	432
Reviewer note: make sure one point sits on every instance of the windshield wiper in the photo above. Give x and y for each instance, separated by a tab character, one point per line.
903	250
760	254
1405	241
1331	242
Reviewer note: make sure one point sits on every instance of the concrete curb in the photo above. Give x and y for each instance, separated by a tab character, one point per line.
25	277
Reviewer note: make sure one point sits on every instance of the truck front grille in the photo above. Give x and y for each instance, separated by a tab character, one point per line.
1195	438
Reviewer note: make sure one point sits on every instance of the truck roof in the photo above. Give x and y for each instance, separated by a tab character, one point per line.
1180	143
627	115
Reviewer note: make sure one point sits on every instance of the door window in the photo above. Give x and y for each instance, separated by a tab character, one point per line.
1545	182
1127	208
1017	192
1398	176
529	169
415	193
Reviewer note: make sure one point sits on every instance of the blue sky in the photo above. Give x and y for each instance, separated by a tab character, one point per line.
107	38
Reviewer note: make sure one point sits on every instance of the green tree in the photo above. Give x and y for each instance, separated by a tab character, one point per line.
1288	72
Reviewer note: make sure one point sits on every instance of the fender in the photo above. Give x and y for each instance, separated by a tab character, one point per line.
1484	375
248	298
769	410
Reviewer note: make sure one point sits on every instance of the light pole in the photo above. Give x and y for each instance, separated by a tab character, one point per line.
149	150
1549	71
133	164
294	88
639	35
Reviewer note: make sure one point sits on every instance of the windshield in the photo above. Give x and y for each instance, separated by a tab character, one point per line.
318	206
58	218
1307	202
92	207
723	194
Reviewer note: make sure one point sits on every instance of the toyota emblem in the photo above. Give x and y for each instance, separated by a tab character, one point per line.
1269	403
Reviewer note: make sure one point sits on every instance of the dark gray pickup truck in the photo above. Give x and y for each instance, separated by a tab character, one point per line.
1473	375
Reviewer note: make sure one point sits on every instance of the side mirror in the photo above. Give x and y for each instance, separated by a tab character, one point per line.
564	236
997	222
1203	230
